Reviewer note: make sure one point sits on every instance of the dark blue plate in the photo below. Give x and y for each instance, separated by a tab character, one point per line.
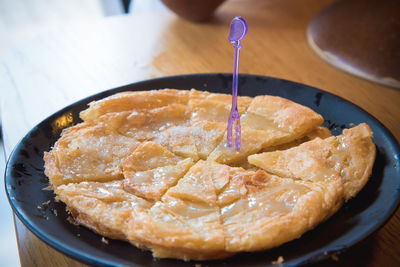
359	218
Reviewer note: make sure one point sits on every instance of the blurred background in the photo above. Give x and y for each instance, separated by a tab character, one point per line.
23	19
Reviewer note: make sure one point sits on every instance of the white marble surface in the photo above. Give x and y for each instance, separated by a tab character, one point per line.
8	249
22	25
19	21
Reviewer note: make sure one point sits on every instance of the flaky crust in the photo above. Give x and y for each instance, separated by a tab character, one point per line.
357	152
152	168
129	101
103	207
350	155
87	153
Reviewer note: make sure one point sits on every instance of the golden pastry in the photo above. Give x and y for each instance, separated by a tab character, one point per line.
152	168
350	155
103	207
88	153
269	121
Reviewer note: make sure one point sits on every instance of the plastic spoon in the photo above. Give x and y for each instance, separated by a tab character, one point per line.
238	30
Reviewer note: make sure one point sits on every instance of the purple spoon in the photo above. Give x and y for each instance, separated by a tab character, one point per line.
237	31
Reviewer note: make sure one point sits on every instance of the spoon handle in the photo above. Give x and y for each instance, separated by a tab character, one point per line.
238	30
237	47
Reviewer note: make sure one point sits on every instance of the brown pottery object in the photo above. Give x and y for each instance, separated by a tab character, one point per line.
361	37
194	10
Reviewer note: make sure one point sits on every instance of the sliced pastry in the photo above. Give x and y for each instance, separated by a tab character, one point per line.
103	207
273	210
134	101
186	223
216	107
195	141
320	131
269	121
350	155
146	124
88	153
151	169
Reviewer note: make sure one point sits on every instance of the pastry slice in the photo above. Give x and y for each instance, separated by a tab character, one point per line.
350	155
175	228
185	224
272	210
209	110
354	157
252	142
319	131
87	153
146	124
197	185
215	181
269	121
309	161
207	136
151	169
103	207
286	120
272	112
179	140
216	107
134	101
258	210
195	141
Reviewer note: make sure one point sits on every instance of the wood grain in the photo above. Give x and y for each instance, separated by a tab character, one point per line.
56	68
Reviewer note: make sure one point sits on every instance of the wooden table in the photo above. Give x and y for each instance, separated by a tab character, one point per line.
54	69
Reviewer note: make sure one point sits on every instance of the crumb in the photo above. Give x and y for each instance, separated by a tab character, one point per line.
78	235
48	188
334	257
72	221
279	260
46	203
105	241
39	207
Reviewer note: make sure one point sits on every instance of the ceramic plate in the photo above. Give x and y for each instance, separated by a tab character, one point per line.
357	219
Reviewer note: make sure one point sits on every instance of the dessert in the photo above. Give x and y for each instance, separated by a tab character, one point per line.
152	168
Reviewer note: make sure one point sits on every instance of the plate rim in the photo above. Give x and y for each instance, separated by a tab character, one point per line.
316	256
